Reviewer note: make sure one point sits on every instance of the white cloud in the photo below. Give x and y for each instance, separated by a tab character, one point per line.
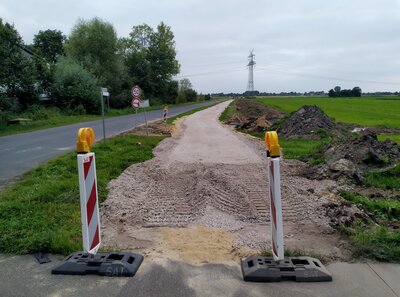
295	42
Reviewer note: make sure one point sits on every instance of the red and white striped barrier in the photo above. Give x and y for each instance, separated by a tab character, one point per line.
274	175
88	192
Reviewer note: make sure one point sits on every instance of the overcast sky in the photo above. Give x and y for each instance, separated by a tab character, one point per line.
299	45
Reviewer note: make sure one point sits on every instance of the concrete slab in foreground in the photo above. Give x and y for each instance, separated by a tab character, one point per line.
24	276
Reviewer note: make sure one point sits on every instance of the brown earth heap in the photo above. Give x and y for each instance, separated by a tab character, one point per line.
360	153
253	116
308	121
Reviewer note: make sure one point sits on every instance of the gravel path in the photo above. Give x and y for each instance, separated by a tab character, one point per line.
211	176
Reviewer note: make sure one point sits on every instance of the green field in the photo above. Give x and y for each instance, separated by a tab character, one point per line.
365	111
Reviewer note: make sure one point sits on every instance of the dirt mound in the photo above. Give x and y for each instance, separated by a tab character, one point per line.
253	116
307	121
154	128
355	155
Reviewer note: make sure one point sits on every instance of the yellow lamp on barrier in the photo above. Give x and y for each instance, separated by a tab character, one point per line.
85	140
272	144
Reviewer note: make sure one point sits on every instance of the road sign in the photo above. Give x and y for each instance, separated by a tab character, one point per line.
105	92
144	103
136	91
135	103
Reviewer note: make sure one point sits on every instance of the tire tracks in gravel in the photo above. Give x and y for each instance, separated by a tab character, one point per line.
211	176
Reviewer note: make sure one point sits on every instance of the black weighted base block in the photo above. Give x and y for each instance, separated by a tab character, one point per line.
106	264
299	269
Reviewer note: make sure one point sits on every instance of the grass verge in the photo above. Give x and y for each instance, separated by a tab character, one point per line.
387	179
229	112
300	149
42	212
171	120
377	239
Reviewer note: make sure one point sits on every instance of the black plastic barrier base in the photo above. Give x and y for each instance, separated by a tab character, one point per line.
105	264
299	269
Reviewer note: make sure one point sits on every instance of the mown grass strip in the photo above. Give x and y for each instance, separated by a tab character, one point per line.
228	112
42	211
171	120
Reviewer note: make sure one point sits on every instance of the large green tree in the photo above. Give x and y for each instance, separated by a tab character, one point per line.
150	61
93	44
49	44
17	74
161	55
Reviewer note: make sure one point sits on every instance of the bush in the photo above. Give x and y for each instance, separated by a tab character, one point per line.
77	110
36	112
74	86
121	100
4	118
5	103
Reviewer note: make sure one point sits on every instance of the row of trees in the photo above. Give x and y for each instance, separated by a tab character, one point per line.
338	92
71	70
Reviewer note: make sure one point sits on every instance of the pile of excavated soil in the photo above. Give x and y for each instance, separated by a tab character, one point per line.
253	116
308	121
207	186
154	128
356	155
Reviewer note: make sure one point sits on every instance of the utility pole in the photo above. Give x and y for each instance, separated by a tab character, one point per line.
250	83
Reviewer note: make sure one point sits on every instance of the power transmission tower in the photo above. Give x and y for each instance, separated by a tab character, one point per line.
250	83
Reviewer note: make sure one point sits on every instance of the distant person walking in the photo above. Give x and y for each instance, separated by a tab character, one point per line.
165	112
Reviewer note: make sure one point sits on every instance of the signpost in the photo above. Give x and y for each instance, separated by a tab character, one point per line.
137	103
104	94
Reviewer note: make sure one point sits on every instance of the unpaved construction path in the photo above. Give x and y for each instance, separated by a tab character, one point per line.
203	198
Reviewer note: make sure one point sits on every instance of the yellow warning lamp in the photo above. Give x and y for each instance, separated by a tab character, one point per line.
85	140
272	144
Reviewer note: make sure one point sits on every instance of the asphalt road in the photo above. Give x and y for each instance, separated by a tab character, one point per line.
21	152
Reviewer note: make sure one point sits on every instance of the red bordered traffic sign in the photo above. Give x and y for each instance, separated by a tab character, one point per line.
135	103
136	91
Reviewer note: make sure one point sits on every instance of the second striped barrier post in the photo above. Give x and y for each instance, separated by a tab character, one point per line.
278	267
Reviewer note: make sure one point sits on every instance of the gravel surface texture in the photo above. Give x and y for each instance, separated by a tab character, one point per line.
211	176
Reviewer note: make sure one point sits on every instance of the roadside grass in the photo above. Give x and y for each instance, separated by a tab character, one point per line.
394	137
42	211
229	112
300	149
365	111
387	209
375	239
387	179
52	117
